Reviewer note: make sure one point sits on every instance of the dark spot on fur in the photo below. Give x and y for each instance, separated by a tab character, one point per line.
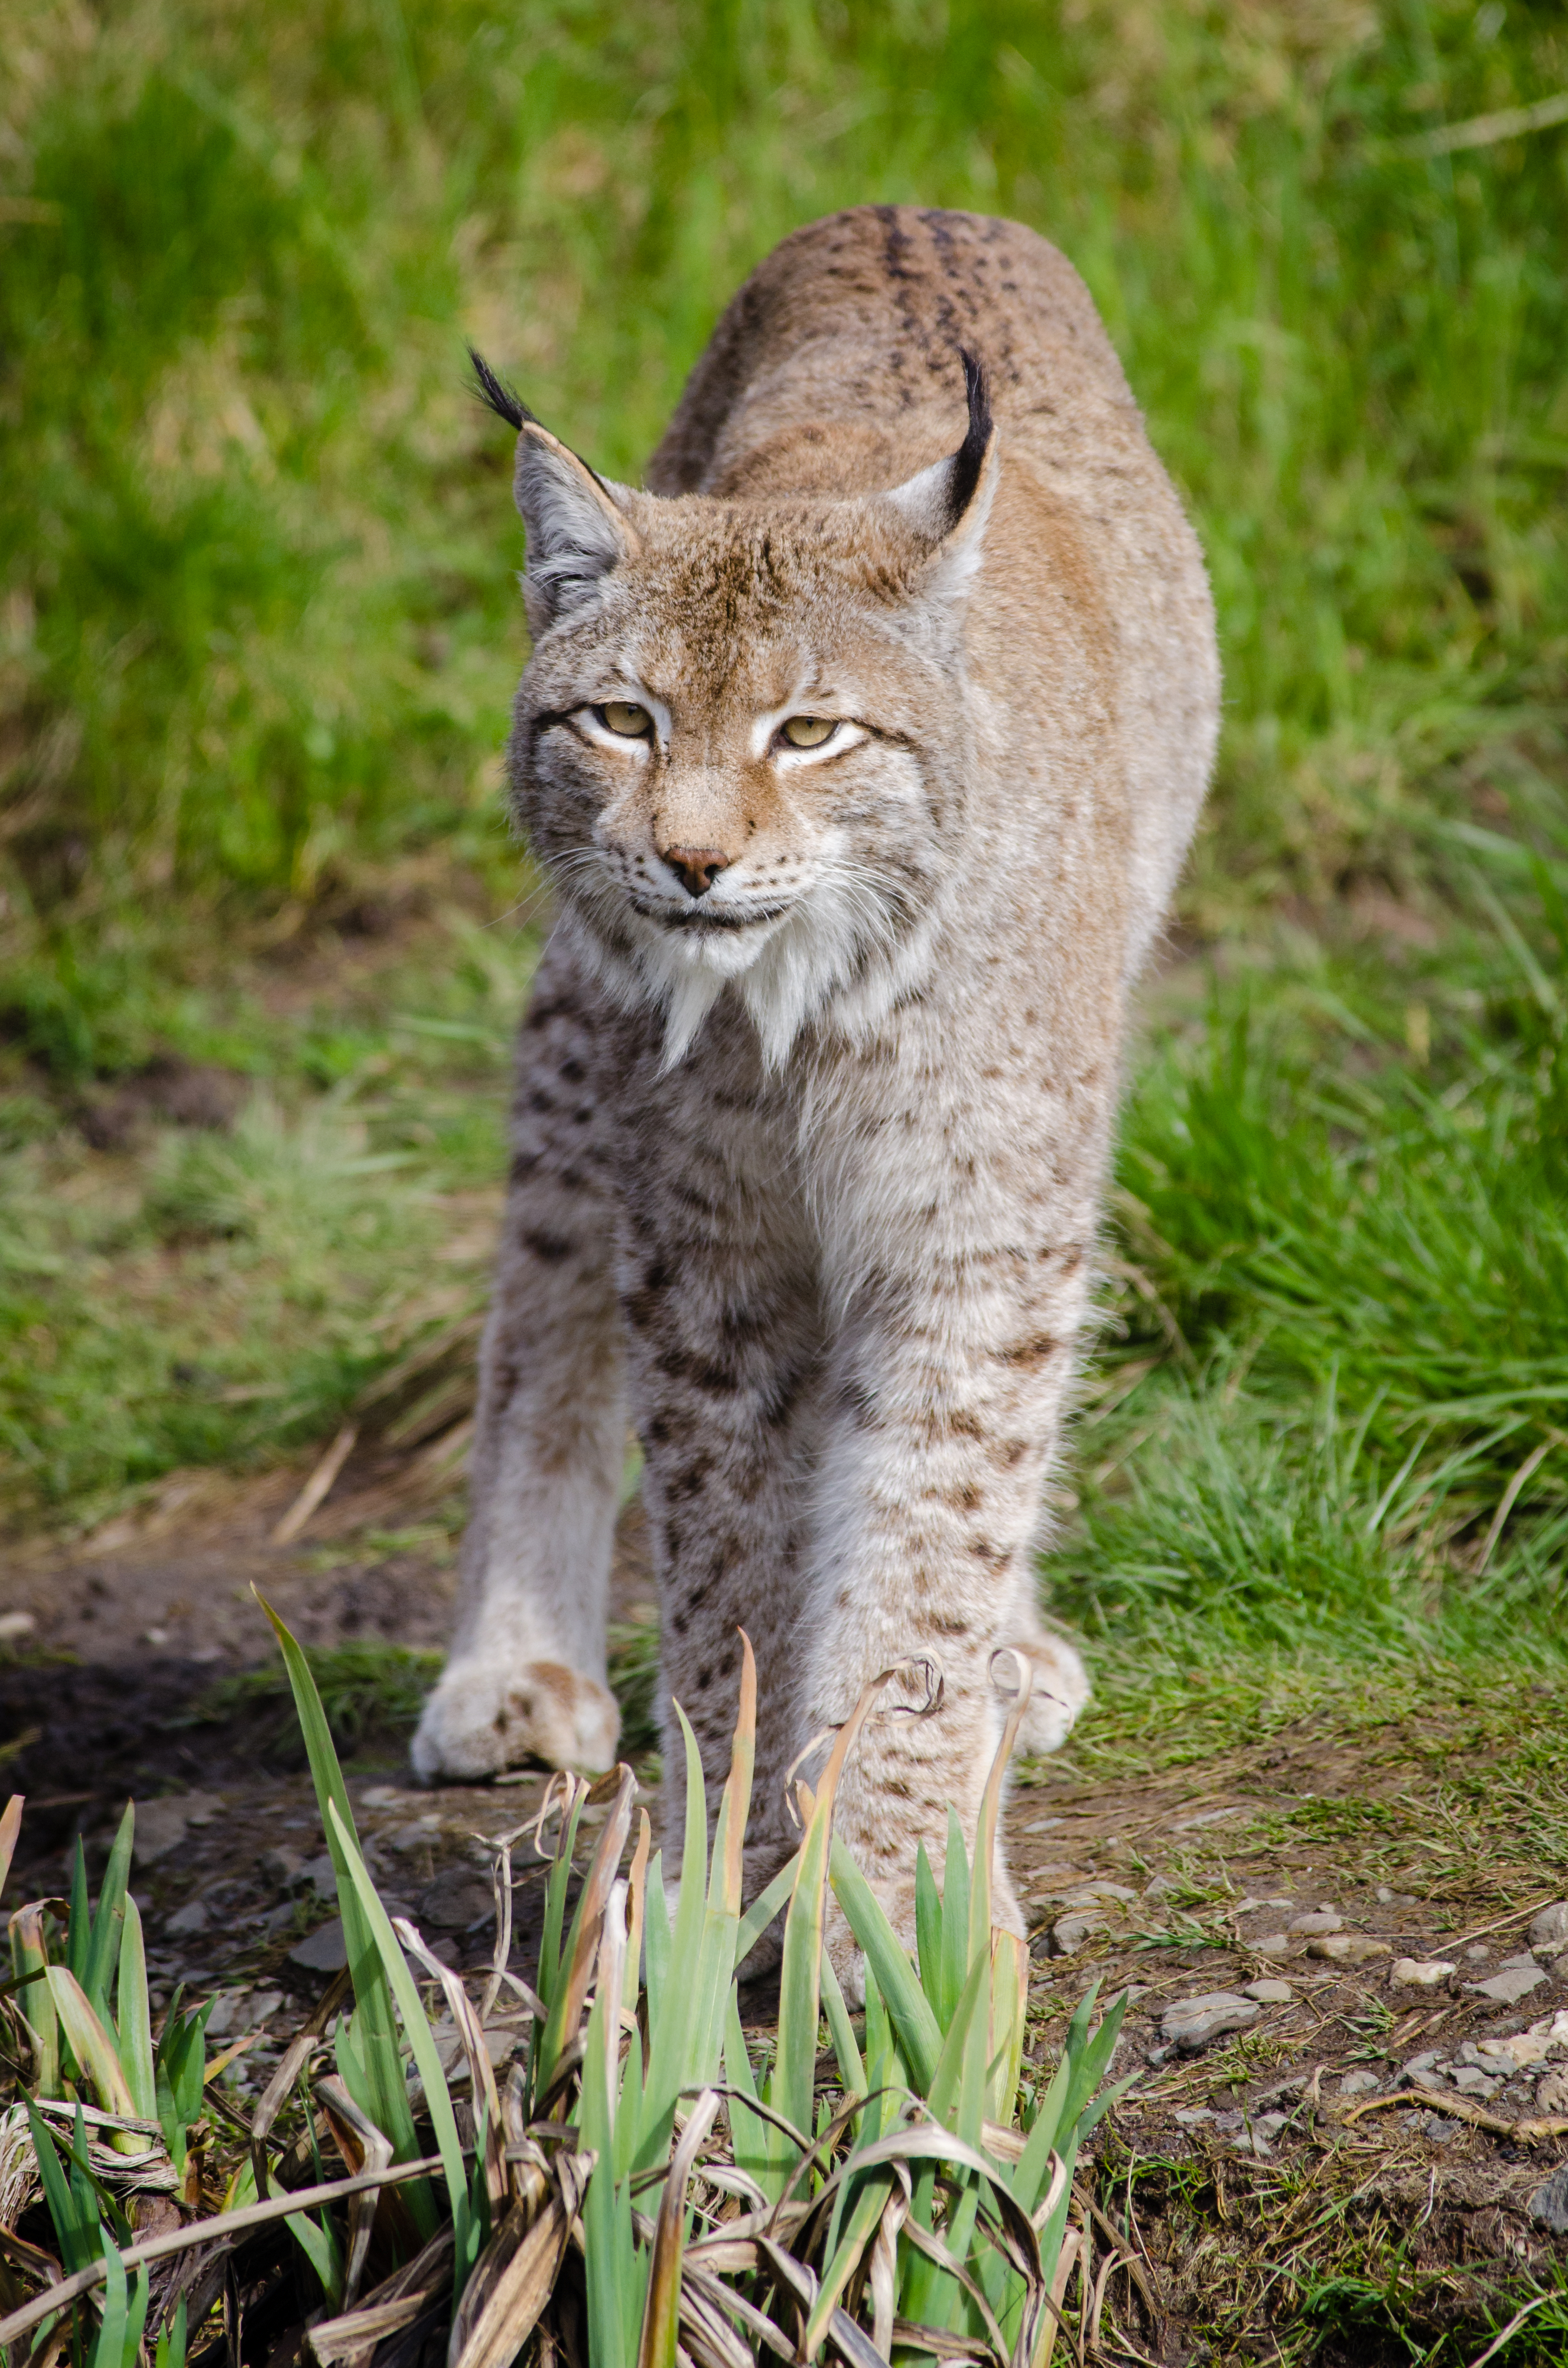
1036	1351
551	1248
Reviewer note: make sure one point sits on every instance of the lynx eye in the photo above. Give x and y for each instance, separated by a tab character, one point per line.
624	718
809	731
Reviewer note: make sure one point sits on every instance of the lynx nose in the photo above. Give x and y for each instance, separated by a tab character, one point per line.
698	866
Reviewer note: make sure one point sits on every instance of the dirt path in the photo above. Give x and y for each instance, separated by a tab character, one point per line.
1331	2137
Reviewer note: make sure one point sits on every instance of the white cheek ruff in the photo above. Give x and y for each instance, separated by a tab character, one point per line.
847	948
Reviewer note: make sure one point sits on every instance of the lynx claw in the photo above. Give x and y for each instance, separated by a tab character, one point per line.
480	1720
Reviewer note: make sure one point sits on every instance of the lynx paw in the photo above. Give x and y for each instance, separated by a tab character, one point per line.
481	1719
1060	1690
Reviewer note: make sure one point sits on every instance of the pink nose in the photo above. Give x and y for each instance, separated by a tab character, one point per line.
698	866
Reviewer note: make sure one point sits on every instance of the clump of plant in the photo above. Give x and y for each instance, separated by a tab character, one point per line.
639	2190
365	1685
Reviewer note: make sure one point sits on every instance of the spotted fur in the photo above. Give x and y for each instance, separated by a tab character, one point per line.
808	1162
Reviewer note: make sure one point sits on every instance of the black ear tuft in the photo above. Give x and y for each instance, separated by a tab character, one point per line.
970	457
499	397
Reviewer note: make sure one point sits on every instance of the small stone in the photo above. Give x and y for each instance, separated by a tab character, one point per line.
14	1625
1548	2207
1250	1906
1439	2129
1419	2070
1419	1973
1188	2024
456	1899
1549	1934
1388	1898
1552	2096
1471	2083
420	1836
1359	2084
191	1917
321	1876
1092	1894
1189	2115
1507	1988
282	1867
1320	1919
161	1824
229	2016
1269	1993
1270	1944
1347	1948
1478	1952
324	1951
1268	2125
1506	2055
1069	1933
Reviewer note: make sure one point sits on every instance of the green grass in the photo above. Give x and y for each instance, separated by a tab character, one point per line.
258	623
366	1686
258	630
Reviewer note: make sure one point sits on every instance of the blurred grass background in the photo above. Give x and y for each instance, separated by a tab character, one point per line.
259	629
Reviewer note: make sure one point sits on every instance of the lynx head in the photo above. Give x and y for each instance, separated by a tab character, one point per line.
739	745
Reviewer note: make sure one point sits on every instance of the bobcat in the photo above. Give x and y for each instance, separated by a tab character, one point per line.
863	750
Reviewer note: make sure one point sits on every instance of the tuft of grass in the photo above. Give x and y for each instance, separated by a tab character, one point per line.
365	1686
925	2177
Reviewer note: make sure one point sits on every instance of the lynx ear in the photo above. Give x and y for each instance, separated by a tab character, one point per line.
578	529
948	504
577	525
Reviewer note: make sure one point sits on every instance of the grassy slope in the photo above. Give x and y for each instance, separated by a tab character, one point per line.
258	634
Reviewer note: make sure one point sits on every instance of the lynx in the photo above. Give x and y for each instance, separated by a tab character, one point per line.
862	749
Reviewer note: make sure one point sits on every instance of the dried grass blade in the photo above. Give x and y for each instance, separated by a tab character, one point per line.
734	1806
482	2072
364	2147
35	1998
90	2043
317	1488
528	2256
10	1828
799	1979
661	2313
355	2332
222	2228
570	1994
636	1890
295	2055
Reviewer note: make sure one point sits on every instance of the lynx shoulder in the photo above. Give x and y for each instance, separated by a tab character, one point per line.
862	748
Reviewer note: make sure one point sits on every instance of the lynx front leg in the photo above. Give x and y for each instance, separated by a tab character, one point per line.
526	1678
723	1331
948	1390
